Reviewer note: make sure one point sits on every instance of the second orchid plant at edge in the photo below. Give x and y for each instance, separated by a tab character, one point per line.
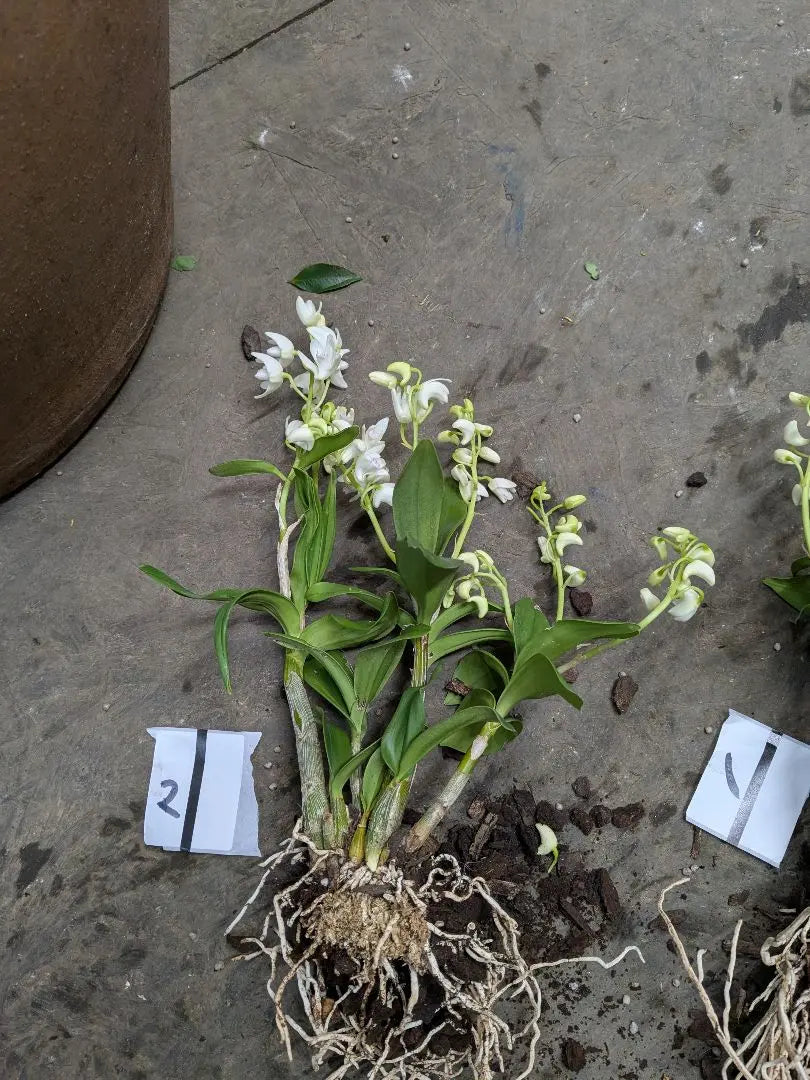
444	597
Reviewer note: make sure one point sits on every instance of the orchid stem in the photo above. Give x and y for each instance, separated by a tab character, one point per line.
375	522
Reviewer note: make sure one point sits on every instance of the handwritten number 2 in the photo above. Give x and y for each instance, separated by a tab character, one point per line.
164	803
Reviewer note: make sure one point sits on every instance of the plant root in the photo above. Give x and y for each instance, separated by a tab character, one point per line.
778	1045
386	991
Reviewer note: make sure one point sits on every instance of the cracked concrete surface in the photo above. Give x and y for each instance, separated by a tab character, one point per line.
667	143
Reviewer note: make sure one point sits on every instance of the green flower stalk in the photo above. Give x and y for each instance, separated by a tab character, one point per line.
795	590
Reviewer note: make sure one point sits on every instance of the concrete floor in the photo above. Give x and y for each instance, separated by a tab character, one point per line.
664	141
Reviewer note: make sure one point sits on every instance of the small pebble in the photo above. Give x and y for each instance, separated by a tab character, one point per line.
626	999
577	417
276	749
686	871
745	262
395	156
219	965
106	706
208	365
777	647
558	806
676	982
780	22
407	46
348	221
709	729
542	311
694	867
679	493
292	123
272	787
633	1027
192	935
59	472
268	764
370	322
635	985
573	985
395	140
324	882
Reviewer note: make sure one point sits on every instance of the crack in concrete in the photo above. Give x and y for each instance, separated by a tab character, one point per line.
251	44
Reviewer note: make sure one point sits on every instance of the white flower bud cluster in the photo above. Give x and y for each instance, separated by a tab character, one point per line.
471	588
797	455
324	366
467	435
683	558
560	534
412	397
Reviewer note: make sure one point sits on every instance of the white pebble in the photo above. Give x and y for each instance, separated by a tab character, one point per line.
573	985
395	139
59	472
709	729
745	262
395	156
577	417
626	999
272	787
676	982
219	965
777	647
324	882
192	935
622	674
542	311
407	46
276	749
370	322
686	871
780	22
679	493
633	1027
635	985
694	867
558	806
268	764
106	706
292	123
348	221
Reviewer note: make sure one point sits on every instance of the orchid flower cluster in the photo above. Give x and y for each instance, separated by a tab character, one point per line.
795	590
683	557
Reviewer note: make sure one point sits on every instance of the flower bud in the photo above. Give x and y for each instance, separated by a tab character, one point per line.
484	559
699	569
799	399
796	494
573	501
574	577
568	523
548	839
402	370
448	437
793	436
657	576
383	378
463	456
471	559
484	430
540	494
660	545
565	539
786	457
546	550
701	551
649	599
677	533
464	588
481	605
489	455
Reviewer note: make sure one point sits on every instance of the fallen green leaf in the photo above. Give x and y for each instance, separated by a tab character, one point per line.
592	270
323	278
184	262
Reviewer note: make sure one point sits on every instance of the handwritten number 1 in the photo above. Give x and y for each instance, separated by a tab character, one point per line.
164	803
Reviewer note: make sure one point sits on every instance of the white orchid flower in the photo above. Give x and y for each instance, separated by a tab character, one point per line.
546	550
308	313
481	605
370	441
686	605
649	599
297	433
370	468
471	559
699	569
467	429
799	399
401	401
793	436
565	539
430	391
326	350
383	495
568	523
484	430
270	374
383	378
486	454
574	577
282	348
464	589
677	533
464	481
463	456
402	369
481	493
342	418
796	494
701	551
786	457
548	843
503	489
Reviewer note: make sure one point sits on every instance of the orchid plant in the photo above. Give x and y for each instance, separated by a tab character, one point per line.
442	596
795	590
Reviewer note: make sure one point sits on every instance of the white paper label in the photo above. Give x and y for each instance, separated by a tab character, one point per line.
753	789
201	796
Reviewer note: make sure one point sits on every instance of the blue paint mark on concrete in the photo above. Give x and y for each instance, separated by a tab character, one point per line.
514	190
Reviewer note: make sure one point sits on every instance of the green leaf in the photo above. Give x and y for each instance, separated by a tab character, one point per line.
333	662
342	776
328	444
465	639
373	779
462	740
528	622
258	600
328	590
418	499
408	633
184	262
794	591
337	744
313	549
479	670
426	576
799	566
336	632
324	542
323	278
567	634
592	270
453	513
243	466
319	679
403	727
535	677
451	615
374	667
382	571
473	718
264	600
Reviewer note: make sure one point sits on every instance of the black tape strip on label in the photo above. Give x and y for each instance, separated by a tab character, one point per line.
194	790
753	789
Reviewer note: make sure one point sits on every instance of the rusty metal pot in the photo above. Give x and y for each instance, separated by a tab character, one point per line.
85	228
